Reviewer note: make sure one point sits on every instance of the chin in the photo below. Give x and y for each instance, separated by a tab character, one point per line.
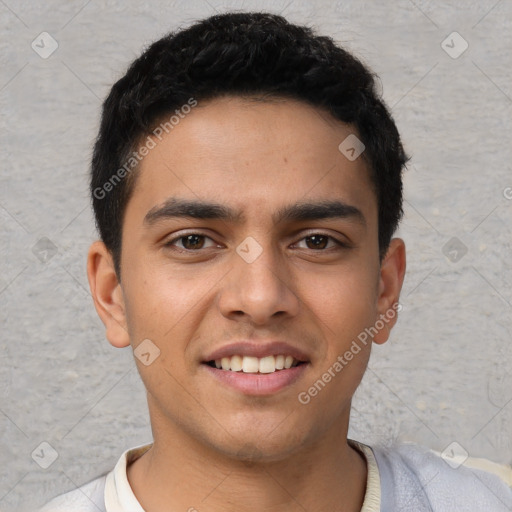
259	447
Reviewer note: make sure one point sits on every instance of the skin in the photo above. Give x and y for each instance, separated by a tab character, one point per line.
215	448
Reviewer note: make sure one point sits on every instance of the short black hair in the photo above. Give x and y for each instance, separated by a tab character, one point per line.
240	54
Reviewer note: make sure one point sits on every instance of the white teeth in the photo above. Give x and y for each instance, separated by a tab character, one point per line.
267	364
236	363
249	364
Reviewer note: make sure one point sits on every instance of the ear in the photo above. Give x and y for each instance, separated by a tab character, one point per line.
392	272
107	294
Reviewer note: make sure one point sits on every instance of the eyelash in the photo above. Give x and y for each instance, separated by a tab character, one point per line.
170	243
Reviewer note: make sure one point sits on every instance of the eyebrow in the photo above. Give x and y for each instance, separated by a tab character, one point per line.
303	211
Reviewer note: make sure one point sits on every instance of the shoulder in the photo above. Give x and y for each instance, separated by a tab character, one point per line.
92	496
413	472
87	498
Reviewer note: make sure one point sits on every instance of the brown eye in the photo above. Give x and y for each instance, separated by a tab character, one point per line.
191	242
317	241
321	242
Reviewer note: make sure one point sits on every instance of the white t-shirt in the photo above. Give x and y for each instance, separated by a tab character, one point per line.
405	476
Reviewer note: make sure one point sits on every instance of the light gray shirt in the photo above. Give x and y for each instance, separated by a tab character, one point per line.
402	477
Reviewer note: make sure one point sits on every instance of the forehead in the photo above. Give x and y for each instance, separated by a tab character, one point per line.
256	156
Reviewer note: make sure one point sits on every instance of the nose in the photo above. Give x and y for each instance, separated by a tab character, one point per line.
260	289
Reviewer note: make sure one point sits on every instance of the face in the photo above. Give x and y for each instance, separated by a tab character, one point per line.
249	234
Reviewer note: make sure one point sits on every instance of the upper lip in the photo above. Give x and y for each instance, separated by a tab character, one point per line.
257	349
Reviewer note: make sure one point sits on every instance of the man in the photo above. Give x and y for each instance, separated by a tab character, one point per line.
246	183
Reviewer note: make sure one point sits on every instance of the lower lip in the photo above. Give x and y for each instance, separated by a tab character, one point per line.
258	383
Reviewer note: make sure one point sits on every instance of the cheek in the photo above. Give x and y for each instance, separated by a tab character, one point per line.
167	306
344	307
162	308
158	297
344	300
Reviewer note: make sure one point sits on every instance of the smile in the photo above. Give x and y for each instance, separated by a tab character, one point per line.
245	375
249	364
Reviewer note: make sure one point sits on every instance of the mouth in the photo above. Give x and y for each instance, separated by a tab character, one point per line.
255	365
256	376
260	368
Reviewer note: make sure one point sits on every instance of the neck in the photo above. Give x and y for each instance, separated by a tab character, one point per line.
179	473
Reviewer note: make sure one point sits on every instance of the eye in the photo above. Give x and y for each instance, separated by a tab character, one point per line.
320	241
190	242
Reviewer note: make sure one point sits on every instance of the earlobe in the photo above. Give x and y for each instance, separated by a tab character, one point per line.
107	294
392	272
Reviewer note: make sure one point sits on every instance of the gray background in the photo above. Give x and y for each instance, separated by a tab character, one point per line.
445	376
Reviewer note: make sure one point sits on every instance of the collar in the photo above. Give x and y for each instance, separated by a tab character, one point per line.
119	496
